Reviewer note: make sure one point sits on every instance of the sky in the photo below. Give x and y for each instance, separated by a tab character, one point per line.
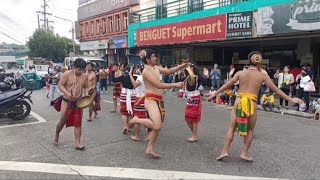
23	13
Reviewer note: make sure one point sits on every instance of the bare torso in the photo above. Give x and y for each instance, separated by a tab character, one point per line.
75	85
251	81
149	88
91	81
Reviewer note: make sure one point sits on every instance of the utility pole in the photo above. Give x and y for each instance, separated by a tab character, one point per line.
38	22
45	15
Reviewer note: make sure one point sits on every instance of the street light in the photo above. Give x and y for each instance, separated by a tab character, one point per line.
74	47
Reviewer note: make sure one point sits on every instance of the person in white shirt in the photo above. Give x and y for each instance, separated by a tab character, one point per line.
285	80
305	78
138	109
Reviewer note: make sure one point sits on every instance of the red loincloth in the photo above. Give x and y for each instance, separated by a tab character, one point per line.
139	109
74	114
116	90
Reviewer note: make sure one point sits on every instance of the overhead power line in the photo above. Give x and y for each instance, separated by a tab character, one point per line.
11	38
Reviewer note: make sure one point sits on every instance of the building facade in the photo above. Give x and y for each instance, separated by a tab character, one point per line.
287	32
104	27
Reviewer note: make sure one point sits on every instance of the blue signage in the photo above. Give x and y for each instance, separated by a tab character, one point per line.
120	42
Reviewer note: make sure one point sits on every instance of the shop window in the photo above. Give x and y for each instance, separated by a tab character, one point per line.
104	26
87	29
125	21
118	23
98	26
81	30
92	28
110	19
196	5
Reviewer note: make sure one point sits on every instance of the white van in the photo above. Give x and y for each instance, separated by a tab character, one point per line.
98	61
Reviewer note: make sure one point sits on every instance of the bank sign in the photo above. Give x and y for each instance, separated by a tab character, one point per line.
202	29
239	24
303	15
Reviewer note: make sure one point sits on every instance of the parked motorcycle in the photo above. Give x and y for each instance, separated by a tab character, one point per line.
13	102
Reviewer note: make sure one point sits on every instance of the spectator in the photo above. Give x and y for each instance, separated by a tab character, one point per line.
303	79
310	71
103	75
225	96
215	76
267	100
285	80
263	87
233	96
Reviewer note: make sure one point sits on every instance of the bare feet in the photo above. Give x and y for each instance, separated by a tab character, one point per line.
89	120
113	111
246	158
80	147
135	138
95	115
152	153
125	131
193	139
221	157
55	141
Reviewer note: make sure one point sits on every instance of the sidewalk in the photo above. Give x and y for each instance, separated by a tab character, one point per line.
291	111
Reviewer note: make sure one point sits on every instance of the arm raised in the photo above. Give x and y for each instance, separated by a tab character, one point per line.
149	77
166	71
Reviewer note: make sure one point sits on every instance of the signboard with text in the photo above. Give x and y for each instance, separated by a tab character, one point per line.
303	15
93	45
103	6
239	24
202	29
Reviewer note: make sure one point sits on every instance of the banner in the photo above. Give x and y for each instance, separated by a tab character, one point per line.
287	18
202	29
119	42
239	24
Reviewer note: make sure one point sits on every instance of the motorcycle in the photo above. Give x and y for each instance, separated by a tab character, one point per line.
14	105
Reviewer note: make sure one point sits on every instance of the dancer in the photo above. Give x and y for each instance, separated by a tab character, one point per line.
127	99
244	113
117	86
92	85
138	109
153	97
73	84
194	103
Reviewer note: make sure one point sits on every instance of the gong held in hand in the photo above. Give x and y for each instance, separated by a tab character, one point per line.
189	71
84	102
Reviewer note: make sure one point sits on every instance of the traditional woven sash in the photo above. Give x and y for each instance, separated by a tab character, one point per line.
244	110
158	99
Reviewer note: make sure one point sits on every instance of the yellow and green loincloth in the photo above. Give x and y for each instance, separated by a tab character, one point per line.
160	103
245	109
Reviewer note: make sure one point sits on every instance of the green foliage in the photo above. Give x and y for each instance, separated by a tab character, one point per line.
46	44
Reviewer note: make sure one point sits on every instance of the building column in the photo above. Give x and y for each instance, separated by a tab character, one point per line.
304	51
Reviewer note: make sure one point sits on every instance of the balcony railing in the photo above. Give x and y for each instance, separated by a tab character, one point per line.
176	8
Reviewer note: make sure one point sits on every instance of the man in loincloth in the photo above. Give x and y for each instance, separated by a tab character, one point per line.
244	113
92	83
153	96
73	84
118	71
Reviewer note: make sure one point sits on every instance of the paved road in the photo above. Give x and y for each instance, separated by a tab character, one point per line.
284	147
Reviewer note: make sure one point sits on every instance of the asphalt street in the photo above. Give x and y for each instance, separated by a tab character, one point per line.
283	147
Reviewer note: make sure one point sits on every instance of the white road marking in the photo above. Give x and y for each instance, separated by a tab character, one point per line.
114	172
35	115
111	102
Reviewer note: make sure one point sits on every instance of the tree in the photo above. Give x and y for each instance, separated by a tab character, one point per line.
46	44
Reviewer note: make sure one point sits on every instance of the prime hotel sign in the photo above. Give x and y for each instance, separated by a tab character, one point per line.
202	29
